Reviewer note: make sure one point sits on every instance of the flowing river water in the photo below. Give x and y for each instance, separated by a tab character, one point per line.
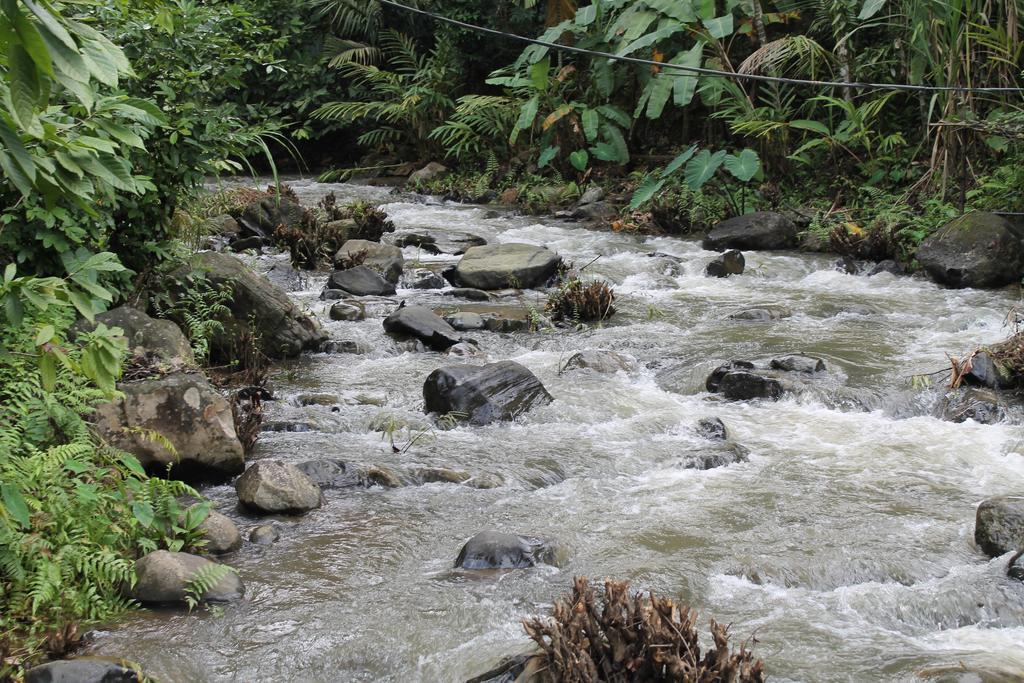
844	543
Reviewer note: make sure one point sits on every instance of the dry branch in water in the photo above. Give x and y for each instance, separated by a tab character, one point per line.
633	638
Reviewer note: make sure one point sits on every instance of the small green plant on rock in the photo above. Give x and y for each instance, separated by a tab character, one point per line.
200	309
579	300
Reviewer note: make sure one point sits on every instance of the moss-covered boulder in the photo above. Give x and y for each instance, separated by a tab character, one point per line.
975	250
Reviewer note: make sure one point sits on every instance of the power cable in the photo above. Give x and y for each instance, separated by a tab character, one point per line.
697	69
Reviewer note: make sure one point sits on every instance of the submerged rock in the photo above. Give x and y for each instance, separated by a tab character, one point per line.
283	329
386	259
497	266
271	486
440	241
759	230
971	403
423	324
360	281
265	534
606	362
468	293
801	363
999	525
519	669
186	410
221	534
441	475
483	394
761	314
165	577
712	428
85	670
724	265
498	550
978	249
327	474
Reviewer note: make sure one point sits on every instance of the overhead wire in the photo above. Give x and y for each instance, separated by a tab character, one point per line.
698	70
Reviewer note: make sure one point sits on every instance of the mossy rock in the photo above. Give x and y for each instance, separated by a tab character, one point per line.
978	249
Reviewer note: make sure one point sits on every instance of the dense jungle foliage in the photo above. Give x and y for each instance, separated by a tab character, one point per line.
113	115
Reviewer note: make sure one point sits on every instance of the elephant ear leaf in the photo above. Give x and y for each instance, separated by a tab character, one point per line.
701	167
645	191
743	166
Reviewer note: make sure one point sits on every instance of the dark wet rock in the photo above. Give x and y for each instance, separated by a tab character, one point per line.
497	266
327	474
715	378
759	230
253	243
761	314
712	428
728	263
496	317
723	455
606	362
265	534
986	372
465	321
145	335
386	259
341	346
186	410
316	399
263	217
595	211
287	426
519	669
360	281
164	577
1015	567
423	324
999	525
283	329
333	294
429	172
498	550
85	670
345	310
271	486
978	249
481	394
466	350
469	293
423	278
441	475
887	266
801	363
221	534
848	265
440	241
744	386
971	403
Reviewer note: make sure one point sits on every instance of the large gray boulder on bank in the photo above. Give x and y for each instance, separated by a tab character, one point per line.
498	550
499	266
164	577
386	259
284	331
144	334
272	486
360	281
978	249
84	670
759	230
481	394
424	324
999	525
187	411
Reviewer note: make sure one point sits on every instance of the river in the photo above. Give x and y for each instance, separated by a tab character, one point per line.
844	543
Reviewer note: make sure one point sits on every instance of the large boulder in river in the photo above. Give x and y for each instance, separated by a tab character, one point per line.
360	281
144	334
424	324
221	534
272	486
481	394
386	259
284	331
498	550
498	266
165	577
999	525
730	262
971	403
85	670
759	230
736	381
186	411
978	249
